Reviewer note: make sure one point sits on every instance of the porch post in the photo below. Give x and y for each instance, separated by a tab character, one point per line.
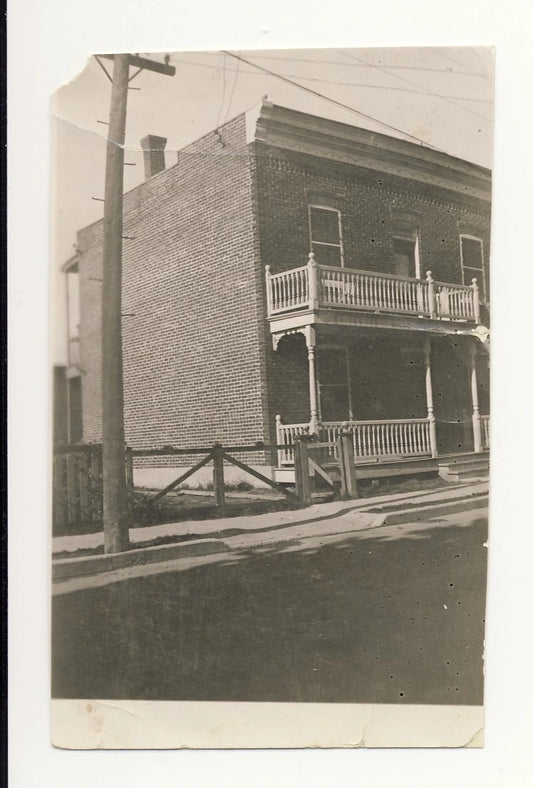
429	399
310	341
476	419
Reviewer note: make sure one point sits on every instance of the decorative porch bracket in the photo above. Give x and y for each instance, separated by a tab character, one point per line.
310	340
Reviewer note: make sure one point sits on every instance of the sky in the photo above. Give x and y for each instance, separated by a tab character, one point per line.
439	96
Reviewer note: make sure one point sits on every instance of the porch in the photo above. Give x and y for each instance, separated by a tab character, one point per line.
405	397
374	442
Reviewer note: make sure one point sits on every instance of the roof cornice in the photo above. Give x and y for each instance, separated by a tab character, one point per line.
303	133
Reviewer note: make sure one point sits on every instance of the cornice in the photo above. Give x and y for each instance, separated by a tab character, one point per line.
297	131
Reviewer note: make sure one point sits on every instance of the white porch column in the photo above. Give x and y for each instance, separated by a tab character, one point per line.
429	399
476	419
310	341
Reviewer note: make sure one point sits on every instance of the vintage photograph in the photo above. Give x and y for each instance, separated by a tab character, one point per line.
271	413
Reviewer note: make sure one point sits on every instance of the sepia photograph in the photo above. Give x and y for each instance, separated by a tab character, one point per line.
270	307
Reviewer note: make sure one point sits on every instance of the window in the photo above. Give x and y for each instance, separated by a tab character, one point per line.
326	236
472	261
334	384
404	260
405	254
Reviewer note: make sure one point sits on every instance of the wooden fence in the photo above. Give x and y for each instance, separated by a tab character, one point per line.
78	486
77	497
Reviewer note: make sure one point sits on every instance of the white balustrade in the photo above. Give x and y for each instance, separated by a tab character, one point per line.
456	302
382	439
288	290
371	439
485	431
286	434
376	292
318	286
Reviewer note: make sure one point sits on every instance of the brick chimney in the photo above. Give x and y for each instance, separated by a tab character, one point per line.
154	154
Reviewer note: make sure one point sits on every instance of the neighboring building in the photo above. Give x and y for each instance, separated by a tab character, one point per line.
234	332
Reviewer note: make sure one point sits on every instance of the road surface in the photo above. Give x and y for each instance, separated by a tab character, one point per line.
391	615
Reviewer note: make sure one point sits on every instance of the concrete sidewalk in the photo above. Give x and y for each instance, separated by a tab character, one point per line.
236	533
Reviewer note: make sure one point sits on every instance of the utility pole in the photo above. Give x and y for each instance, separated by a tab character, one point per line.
116	531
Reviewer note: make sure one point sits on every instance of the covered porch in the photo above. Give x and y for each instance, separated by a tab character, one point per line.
404	395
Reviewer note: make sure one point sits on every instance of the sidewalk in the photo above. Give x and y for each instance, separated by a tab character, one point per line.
236	533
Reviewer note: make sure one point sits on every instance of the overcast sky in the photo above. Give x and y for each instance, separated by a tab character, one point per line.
442	96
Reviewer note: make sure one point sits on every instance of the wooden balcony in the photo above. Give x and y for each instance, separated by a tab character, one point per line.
315	287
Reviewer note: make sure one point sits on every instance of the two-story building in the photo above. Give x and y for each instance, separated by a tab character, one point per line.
294	274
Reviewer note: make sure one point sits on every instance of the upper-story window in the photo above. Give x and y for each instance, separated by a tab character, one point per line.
405	253
472	262
326	235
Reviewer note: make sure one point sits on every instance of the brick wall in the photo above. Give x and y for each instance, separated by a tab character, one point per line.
288	182
193	367
369	203
198	358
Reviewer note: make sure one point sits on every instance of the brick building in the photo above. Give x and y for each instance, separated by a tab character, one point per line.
275	282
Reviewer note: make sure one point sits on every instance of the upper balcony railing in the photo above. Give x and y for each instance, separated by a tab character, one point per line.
315	286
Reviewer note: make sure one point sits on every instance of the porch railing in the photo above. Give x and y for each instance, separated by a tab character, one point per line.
286	434
371	439
315	286
485	431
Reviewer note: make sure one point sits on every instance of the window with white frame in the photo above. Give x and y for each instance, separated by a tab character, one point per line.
472	262
326	235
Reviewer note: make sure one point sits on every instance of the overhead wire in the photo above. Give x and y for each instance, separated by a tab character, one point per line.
223	90
428	91
318	61
233	90
370	86
334	101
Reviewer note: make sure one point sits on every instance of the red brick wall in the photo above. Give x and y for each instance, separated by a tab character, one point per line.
193	367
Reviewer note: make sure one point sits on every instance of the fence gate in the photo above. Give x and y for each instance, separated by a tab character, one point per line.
315	458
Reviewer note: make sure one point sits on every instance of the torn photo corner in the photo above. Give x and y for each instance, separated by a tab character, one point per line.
271	410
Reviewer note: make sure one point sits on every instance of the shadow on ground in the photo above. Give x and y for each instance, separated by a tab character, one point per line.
388	616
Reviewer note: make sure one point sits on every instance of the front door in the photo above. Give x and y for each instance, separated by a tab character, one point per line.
452	396
334	384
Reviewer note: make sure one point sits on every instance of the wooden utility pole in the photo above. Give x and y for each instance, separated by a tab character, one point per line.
116	532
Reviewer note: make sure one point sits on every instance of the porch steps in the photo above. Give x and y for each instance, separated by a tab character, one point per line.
452	468
462	468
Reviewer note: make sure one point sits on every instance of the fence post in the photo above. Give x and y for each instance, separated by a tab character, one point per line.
301	472
218	478
347	465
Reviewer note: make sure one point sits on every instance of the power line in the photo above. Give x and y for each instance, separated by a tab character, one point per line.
368	85
334	101
429	92
233	88
440	54
359	65
223	90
